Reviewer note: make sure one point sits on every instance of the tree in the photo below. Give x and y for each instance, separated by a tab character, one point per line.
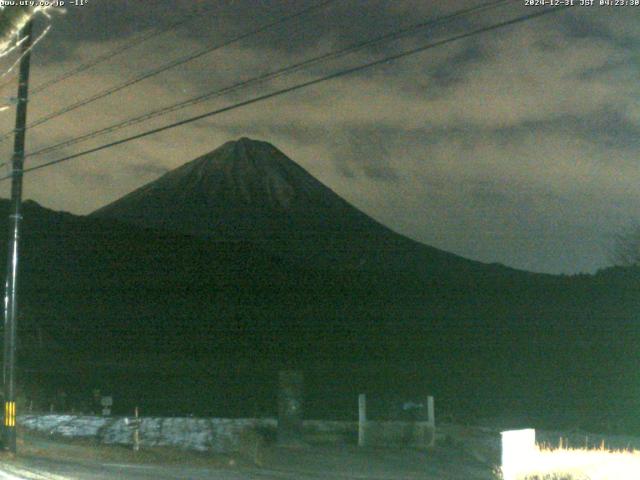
626	248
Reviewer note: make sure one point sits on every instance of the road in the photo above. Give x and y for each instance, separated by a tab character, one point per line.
47	469
307	464
45	458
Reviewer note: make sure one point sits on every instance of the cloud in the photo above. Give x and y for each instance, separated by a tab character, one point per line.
518	146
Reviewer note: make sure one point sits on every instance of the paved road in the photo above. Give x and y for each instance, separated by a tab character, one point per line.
53	462
338	467
39	470
47	469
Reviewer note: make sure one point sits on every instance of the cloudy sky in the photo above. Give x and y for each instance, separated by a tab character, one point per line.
519	146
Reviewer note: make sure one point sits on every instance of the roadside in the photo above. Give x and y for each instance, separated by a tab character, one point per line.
43	458
38	445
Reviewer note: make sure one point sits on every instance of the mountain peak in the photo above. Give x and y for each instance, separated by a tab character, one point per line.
249	190
252	153
246	143
247	140
243	174
243	184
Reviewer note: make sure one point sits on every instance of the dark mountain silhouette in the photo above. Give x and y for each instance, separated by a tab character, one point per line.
183	319
249	190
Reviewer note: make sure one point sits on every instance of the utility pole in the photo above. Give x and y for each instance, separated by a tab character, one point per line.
15	217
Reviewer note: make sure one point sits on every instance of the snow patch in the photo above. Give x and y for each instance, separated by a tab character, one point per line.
220	435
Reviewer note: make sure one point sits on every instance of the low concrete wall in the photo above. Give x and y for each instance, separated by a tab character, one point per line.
220	435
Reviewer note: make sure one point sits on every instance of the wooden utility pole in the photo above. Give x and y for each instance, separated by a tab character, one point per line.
15	217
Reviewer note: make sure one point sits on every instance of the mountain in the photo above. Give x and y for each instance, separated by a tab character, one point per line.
249	190
245	189
175	299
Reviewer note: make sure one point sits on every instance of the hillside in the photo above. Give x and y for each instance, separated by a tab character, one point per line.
189	323
249	190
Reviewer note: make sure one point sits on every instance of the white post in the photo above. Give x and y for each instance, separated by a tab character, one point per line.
362	419
518	452
136	432
431	415
431	419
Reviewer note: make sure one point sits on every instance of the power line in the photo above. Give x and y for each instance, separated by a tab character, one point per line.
168	66
300	86
119	50
271	75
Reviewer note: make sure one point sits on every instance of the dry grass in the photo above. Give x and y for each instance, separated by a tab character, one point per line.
580	464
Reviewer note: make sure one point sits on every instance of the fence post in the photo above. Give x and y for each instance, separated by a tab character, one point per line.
431	420
290	404
362	419
431	415
136	432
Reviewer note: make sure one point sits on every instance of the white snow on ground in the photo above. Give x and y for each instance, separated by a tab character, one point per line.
219	435
12	472
65	425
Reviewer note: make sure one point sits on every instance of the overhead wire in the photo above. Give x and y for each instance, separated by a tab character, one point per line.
300	86
119	50
169	66
394	35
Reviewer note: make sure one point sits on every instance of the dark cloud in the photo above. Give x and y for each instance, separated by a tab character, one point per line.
365	151
147	169
448	74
